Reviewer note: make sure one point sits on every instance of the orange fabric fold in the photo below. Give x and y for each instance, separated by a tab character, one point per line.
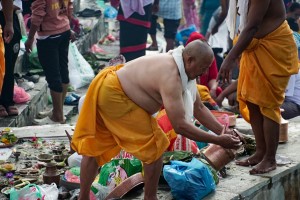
265	68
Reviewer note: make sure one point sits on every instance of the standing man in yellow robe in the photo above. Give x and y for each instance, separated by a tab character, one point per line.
8	34
269	58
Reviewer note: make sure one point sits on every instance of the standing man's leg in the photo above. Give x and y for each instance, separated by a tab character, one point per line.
152	32
63	62
88	173
271	135
48	53
171	27
152	174
257	124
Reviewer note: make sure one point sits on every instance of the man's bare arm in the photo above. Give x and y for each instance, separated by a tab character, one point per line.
257	11
8	14
205	117
222	15
173	103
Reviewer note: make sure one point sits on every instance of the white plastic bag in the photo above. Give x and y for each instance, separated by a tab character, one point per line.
80	71
49	192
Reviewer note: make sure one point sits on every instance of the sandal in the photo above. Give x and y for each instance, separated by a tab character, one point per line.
71	100
3	112
12	111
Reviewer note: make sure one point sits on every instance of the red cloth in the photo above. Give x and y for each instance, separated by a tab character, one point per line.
213	69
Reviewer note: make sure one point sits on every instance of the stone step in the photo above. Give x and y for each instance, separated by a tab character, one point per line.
28	111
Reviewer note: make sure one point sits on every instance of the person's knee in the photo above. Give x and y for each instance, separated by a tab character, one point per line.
55	86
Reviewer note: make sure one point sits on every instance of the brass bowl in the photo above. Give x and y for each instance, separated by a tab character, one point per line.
45	157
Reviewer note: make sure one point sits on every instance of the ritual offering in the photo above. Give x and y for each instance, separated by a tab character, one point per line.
7	139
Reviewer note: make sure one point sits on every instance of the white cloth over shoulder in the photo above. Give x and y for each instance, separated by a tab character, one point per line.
237	8
189	87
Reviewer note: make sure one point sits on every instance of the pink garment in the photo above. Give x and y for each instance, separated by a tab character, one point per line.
51	16
190	14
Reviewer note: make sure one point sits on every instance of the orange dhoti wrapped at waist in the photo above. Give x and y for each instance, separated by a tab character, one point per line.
265	68
109	121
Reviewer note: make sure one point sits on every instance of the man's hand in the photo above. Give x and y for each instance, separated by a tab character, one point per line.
72	36
225	72
213	93
28	45
229	141
8	32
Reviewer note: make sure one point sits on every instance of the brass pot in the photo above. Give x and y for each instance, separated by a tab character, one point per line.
218	156
283	131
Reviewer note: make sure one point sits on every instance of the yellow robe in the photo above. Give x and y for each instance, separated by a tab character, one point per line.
2	61
265	68
109	121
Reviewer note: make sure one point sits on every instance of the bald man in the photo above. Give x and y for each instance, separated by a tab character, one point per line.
118	108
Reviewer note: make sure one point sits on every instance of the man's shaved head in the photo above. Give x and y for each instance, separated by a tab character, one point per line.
200	49
198	56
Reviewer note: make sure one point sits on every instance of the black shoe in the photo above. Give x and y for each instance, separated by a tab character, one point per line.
31	77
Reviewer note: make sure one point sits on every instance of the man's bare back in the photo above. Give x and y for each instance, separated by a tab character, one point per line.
143	78
273	18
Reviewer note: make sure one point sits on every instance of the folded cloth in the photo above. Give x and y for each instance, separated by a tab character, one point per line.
205	96
109	121
265	68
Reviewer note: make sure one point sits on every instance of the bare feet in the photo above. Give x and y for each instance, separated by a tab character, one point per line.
251	161
264	166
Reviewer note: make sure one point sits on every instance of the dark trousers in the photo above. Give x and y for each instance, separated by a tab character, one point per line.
291	110
11	54
53	56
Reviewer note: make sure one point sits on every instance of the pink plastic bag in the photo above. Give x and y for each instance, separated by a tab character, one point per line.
20	95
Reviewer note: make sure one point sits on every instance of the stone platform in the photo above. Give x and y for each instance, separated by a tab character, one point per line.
282	183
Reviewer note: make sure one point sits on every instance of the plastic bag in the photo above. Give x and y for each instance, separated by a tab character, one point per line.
117	170
29	192
191	181
49	192
183	35
110	12
80	71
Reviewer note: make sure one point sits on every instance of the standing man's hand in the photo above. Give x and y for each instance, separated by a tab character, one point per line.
8	32
225	71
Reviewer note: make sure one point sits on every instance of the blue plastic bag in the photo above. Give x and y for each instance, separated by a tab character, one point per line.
183	35
110	12
190	181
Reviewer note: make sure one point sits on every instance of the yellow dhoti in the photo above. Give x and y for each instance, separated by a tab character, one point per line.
2	61
265	68
109	121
